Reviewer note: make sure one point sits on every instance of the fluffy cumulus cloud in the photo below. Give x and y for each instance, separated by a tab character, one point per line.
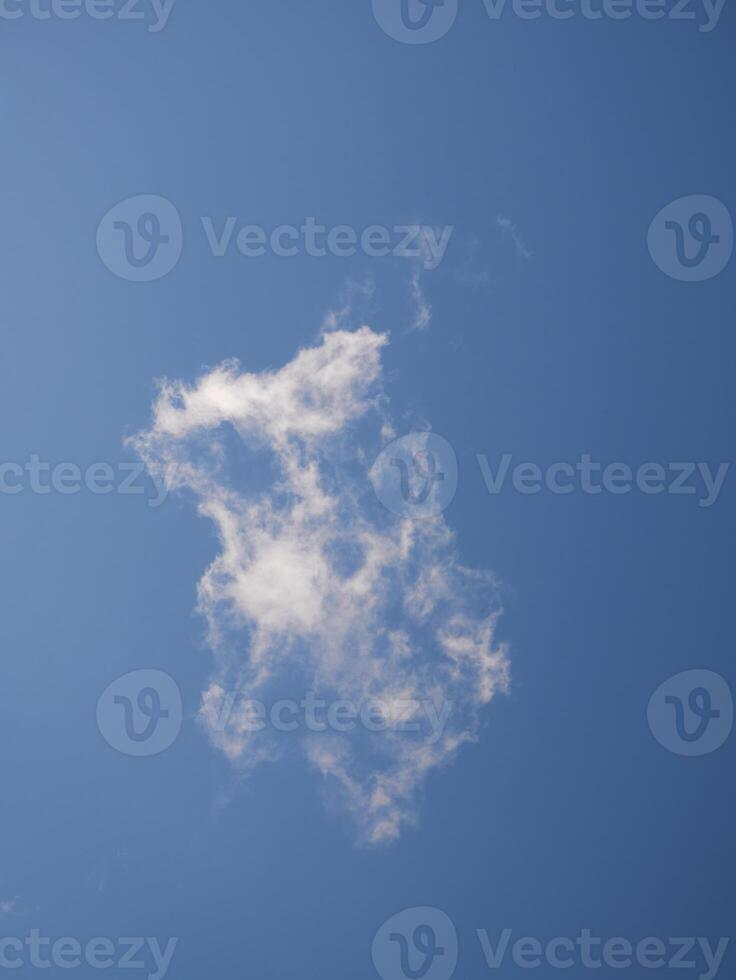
316	587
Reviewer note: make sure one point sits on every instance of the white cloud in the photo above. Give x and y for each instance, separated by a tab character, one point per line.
507	225
315	584
342	315
423	309
11	906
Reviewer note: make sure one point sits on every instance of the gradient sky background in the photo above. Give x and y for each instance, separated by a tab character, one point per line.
567	813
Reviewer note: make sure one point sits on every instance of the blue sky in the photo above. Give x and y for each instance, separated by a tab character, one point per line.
554	323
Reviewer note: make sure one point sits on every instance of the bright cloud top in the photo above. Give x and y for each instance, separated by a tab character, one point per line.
316	587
